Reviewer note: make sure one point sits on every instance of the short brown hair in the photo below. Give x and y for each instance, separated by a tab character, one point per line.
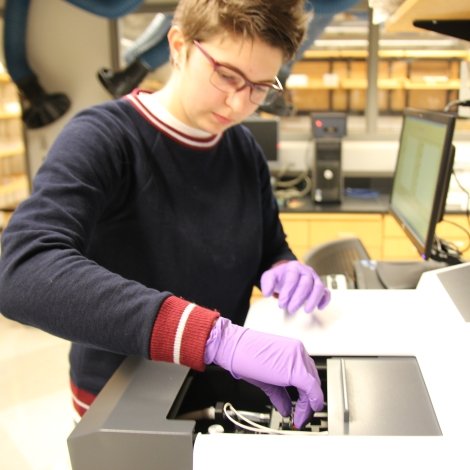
279	23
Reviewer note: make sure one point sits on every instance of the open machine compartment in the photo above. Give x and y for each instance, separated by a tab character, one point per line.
379	396
148	415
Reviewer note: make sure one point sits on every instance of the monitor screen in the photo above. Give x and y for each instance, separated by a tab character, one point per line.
422	174
266	132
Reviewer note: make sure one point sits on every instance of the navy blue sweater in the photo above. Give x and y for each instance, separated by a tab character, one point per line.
128	214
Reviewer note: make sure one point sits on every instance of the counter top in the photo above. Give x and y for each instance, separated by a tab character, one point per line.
375	204
350	204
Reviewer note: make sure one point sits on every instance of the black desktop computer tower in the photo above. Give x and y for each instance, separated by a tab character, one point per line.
328	129
327	175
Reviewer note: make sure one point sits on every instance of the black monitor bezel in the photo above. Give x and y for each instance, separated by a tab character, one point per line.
426	247
266	133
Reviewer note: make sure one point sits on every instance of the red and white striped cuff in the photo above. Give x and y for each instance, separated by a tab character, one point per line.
180	333
82	399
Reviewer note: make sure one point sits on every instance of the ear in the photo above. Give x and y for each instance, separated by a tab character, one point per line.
177	44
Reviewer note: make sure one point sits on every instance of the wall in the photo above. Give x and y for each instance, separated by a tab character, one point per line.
66	46
373	157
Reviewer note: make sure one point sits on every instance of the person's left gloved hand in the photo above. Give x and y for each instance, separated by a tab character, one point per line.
295	284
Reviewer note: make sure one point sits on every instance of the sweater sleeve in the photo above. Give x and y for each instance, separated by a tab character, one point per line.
180	333
46	279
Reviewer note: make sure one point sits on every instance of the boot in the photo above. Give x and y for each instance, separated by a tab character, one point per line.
40	108
123	82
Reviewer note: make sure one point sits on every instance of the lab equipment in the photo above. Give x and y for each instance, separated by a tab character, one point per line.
396	393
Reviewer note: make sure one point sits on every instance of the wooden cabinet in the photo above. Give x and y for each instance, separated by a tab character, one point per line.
306	230
396	245
380	233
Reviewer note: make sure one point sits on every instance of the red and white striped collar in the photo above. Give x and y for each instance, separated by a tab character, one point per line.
159	117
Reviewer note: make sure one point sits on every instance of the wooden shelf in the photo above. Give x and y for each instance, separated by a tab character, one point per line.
390	83
13	190
7	151
4	77
14	182
6	115
388	54
354	84
383	84
338	80
426	85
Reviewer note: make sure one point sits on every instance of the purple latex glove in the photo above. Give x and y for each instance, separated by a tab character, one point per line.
295	284
269	362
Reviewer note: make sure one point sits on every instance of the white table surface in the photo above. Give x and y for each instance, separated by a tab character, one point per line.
423	323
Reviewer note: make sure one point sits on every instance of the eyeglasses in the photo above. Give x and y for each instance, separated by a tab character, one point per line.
229	80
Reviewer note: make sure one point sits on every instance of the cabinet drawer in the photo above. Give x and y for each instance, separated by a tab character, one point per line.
368	228
391	227
305	231
399	249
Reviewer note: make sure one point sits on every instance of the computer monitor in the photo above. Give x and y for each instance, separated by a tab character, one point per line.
266	133
421	179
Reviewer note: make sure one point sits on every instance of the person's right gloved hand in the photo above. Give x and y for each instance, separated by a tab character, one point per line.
295	284
271	363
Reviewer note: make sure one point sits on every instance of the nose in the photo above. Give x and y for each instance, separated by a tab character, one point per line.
240	100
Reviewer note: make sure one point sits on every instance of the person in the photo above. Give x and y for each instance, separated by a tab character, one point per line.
149	52
152	218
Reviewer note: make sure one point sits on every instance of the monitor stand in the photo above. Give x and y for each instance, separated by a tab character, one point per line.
404	274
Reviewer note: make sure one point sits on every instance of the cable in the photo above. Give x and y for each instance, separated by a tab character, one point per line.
255	427
453	103
292	182
467	211
291	191
287	190
460	185
452	245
